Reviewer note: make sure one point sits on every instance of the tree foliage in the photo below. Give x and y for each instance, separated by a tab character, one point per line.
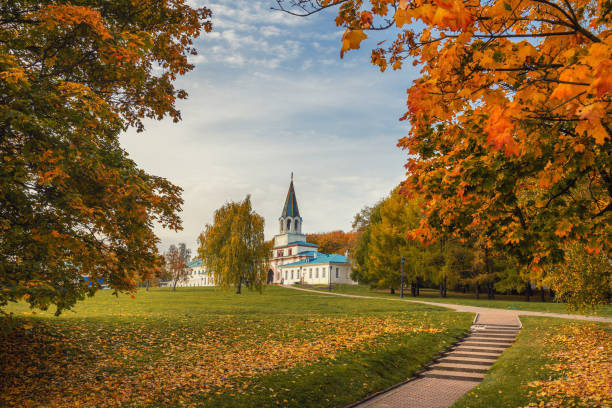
233	247
389	243
72	76
583	280
447	263
510	118
360	253
334	242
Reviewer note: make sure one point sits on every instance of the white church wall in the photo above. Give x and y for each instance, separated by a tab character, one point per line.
197	276
317	274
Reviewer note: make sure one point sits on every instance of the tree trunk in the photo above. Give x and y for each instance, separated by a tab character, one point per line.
148	284
412	289
392	291
477	291
441	289
542	294
417	287
528	292
174	286
239	289
444	293
490	291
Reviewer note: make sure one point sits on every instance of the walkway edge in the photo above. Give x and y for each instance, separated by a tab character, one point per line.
414	377
465	308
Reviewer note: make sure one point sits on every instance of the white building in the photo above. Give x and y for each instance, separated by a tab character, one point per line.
293	260
197	276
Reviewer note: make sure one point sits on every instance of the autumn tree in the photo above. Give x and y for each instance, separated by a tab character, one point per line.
176	259
334	242
233	246
510	117
72	203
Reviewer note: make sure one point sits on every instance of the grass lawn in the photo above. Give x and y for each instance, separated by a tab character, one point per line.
501	301
210	348
554	361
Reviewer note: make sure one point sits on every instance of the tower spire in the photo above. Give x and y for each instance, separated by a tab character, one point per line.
290	208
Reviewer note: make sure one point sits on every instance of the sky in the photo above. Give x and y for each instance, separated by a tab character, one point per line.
269	95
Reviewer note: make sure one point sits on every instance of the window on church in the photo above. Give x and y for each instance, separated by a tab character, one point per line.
323	272
295	225
292	274
286	272
310	273
289	251
337	273
288	225
317	273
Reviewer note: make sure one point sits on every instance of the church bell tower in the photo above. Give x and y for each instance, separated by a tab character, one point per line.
290	222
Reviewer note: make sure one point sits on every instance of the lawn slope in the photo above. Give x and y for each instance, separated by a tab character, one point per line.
206	347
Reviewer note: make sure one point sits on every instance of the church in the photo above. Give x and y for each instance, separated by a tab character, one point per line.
294	260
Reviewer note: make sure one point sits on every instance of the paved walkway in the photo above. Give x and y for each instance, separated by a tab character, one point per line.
464	365
472	309
456	371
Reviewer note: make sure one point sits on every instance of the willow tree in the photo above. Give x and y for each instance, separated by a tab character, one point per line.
233	248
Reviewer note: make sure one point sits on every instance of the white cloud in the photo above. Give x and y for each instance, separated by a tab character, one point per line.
270	31
269	95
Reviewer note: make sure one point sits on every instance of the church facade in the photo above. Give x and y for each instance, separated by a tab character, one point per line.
197	275
294	260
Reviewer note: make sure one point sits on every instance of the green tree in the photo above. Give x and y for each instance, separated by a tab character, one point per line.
362	224
389	242
584	280
72	204
233	247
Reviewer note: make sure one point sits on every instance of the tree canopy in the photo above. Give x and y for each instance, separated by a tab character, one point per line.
72	204
333	242
510	117
233	248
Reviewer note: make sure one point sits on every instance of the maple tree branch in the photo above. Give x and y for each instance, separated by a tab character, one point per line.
571	18
517	211
300	4
556	81
606	209
569	185
524	68
535	35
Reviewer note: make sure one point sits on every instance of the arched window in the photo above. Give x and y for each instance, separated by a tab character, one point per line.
295	225
281	225
288	224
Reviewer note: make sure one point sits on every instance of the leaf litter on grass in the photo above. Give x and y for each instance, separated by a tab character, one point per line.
60	365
